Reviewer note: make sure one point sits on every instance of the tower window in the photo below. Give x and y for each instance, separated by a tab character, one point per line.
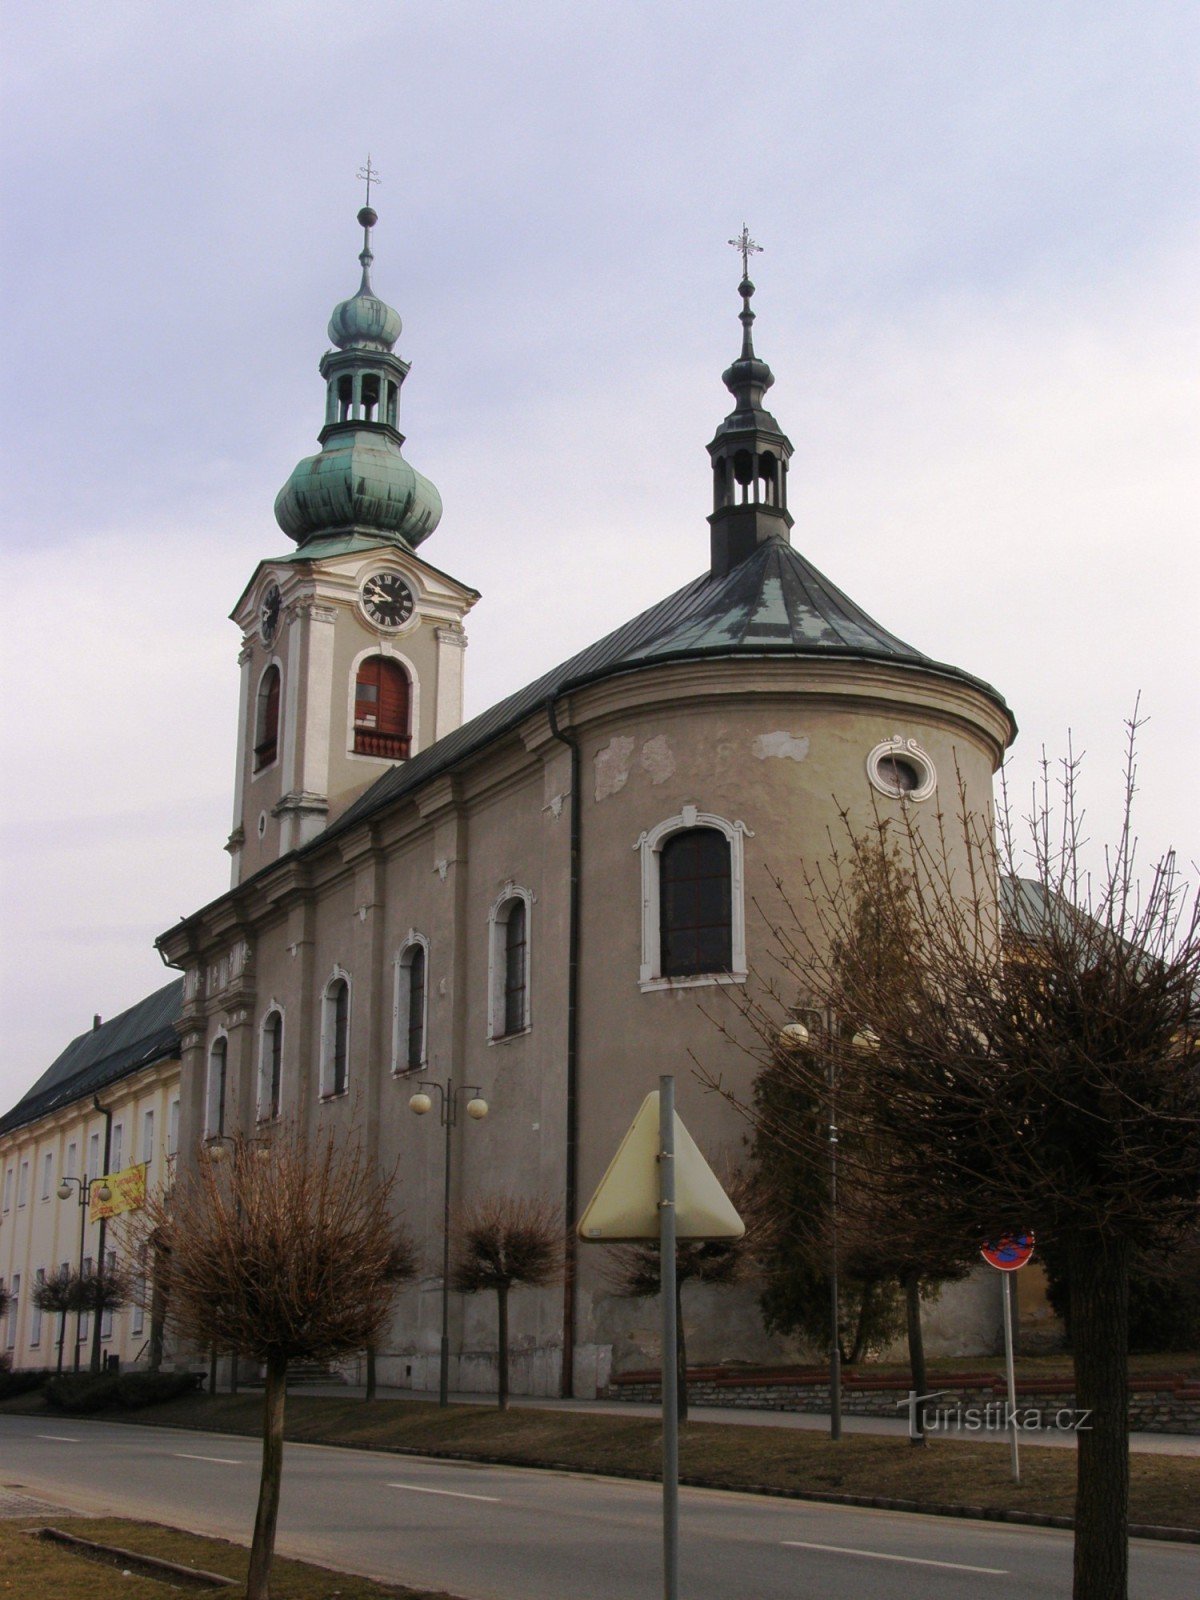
345	393
695	915
381	710
266	720
370	396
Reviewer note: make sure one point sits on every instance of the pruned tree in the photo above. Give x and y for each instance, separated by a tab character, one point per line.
504	1243
635	1270
1036	1068
284	1252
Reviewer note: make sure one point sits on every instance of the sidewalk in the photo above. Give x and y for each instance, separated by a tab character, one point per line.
1171	1444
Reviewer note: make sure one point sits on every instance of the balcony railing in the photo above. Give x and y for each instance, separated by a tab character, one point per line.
388	746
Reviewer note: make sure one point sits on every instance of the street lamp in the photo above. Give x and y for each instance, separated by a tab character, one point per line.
216	1148
796	1035
449	1099
85	1185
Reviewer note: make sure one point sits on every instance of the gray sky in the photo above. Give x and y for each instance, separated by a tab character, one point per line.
977	296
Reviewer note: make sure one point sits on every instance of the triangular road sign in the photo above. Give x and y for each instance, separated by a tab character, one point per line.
625	1206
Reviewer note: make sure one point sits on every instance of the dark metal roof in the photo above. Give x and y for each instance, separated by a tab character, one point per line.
138	1037
773	603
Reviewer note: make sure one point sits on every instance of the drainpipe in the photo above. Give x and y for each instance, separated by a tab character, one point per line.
570	1201
98	1314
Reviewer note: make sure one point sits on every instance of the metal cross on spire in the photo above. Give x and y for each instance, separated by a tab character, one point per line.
746	245
368	175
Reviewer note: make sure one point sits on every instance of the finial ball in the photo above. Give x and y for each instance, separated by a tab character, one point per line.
367	217
745	288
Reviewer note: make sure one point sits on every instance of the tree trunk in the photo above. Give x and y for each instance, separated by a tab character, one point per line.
502	1343
370	1394
860	1328
680	1352
1100	1345
916	1348
262	1549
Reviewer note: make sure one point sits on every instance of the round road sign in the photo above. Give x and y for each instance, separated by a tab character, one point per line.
1009	1251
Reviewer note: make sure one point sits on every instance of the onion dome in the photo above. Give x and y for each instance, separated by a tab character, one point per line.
360	482
365	322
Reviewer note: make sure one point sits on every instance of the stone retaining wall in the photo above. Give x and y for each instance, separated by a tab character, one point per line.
1157	1405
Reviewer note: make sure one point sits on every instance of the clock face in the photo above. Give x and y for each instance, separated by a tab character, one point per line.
268	613
387	600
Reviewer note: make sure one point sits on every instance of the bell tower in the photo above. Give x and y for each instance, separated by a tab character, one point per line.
352	648
750	451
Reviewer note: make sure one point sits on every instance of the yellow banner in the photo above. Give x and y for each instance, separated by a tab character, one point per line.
128	1193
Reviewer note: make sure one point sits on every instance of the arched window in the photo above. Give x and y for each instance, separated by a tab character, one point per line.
214	1120
381	709
695	910
266	719
335	1038
270	1068
409	1045
509	964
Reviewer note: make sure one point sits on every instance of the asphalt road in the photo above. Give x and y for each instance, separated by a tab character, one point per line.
492	1533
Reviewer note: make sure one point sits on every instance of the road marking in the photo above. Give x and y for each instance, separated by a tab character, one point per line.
225	1461
879	1555
453	1494
63	1438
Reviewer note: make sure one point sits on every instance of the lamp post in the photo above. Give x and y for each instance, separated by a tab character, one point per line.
419	1104
216	1147
85	1185
796	1035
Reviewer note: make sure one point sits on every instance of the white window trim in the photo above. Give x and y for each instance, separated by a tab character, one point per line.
263	1098
47	1174
255	771
649	846
209	1131
148	1120
385	647
117	1143
400	991
496	963
327	1018
23	1181
907	750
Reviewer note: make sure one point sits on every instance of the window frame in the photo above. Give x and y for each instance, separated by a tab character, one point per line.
269	1098
257	764
402	1062
217	1132
328	1084
387	649
649	847
497	1031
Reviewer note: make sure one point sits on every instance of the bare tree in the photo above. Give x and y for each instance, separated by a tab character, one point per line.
283	1252
1036	1067
635	1270
503	1243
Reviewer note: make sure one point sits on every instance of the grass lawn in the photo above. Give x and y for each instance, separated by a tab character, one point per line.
1165	1489
28	1566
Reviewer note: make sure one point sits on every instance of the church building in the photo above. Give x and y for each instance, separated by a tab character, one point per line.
539	906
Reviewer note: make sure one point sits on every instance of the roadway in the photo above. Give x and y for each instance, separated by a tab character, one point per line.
498	1533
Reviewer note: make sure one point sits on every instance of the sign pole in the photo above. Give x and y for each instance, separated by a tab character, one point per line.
670	1393
1008	1284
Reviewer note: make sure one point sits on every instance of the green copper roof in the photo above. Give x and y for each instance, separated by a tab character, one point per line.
359	482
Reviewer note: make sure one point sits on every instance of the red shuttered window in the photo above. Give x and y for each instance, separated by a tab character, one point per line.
381	710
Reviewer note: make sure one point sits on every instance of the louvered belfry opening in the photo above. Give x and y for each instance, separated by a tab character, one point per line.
381	710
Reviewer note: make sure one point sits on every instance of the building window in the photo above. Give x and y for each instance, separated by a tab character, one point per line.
270	1067
93	1170
410	1011
35	1316
8	1189
23	1185
381	710
47	1174
117	1148
693	901
72	1159
266	719
218	1062
106	1320
900	769
509	964
147	1137
14	1306
335	1037
173	1127
83	1321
